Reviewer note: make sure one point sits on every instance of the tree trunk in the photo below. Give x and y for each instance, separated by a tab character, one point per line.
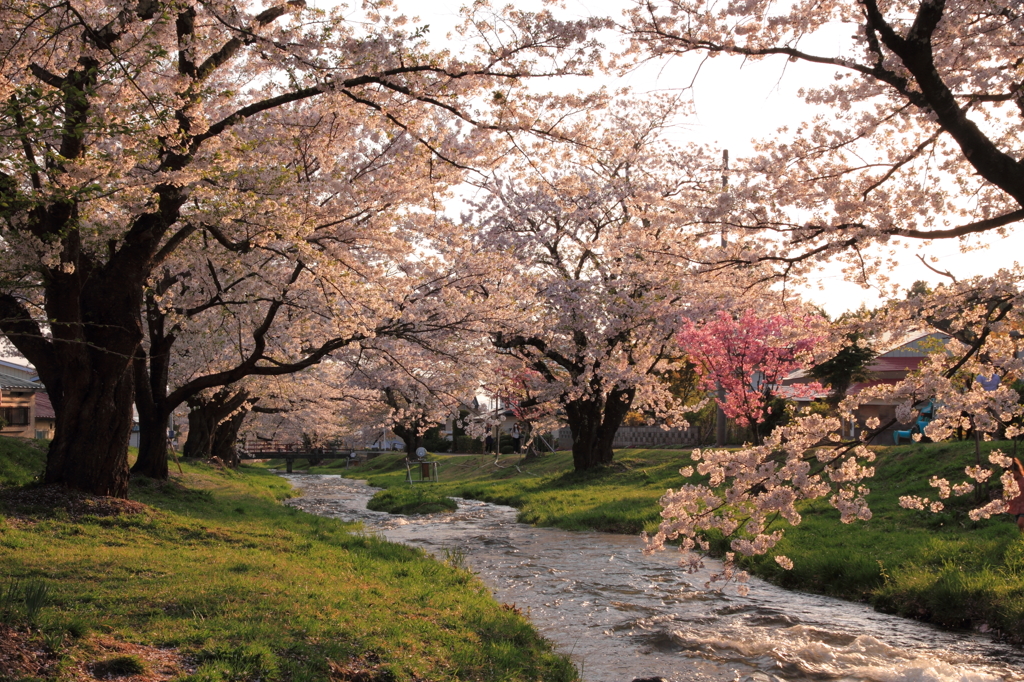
593	424
206	416
151	372
88	373
152	460
412	437
202	422
89	451
721	423
225	438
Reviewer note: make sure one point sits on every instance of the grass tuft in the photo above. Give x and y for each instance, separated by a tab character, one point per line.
119	666
411	500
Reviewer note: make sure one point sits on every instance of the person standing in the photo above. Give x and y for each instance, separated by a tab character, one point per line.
516	436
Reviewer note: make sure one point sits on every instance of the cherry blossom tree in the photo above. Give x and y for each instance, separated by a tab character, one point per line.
587	230
917	135
133	132
748	357
254	331
915	139
409	387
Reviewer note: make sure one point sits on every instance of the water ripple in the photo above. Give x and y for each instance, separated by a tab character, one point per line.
621	614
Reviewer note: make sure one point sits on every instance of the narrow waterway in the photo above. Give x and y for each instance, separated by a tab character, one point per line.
621	614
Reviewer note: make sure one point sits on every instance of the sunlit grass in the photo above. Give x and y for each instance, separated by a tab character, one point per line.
252	589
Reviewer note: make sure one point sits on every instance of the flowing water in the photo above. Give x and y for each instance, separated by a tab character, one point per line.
622	615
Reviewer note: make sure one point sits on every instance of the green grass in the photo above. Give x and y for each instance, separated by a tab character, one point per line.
411	500
939	567
21	461
546	491
250	588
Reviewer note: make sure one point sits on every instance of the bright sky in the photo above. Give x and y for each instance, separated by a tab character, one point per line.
738	101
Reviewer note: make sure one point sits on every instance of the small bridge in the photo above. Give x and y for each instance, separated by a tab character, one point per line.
290	452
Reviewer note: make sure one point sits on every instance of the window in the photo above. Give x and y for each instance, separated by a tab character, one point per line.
15	416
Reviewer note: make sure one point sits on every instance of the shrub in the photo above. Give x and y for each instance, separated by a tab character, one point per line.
468	444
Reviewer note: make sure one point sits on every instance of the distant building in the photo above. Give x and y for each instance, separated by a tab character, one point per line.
18	406
905	355
46	418
891	367
20	370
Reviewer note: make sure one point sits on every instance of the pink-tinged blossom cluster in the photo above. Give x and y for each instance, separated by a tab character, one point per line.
747	488
748	357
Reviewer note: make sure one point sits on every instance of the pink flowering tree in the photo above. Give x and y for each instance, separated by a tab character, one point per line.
747	357
746	490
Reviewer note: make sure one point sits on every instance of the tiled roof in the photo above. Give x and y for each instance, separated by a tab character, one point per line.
44	408
9	383
893	364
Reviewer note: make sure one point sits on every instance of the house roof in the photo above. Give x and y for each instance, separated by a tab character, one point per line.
12	383
908	343
44	408
17	369
894	364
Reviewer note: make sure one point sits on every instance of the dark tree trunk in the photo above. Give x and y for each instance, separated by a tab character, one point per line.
151	372
412	437
152	460
225	438
593	424
201	425
206	416
89	451
85	364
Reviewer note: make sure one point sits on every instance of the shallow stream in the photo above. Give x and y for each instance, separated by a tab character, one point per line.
622	615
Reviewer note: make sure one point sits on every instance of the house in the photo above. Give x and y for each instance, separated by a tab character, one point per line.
18	406
904	355
19	370
46	418
42	418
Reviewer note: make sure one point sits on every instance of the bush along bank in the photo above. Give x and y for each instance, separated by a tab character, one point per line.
942	568
209	578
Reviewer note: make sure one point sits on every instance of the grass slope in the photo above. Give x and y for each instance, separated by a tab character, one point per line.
21	461
251	589
939	567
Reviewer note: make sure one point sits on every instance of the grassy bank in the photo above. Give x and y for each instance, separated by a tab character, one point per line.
21	461
939	567
212	578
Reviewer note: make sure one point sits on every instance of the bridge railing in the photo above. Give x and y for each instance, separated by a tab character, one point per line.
290	452
271	448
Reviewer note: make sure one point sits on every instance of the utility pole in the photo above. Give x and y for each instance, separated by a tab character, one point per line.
720	421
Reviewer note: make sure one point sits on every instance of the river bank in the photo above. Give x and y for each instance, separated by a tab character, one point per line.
209	578
622	614
942	568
